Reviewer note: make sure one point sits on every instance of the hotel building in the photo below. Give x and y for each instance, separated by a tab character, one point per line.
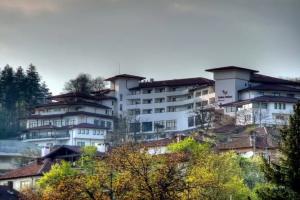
156	109
69	119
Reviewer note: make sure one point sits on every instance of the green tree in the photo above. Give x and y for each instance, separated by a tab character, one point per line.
285	174
211	175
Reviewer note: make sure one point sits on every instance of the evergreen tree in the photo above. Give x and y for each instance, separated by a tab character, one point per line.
18	92
285	175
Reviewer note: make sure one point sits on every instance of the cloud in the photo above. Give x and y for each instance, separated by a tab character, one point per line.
183	7
29	7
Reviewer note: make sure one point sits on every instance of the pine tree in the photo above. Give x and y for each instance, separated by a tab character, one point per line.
285	174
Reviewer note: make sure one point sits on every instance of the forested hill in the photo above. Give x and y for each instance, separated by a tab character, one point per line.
20	89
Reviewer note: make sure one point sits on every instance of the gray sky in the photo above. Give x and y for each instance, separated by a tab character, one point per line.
162	39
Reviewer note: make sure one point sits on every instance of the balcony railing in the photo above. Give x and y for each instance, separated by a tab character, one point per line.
42	136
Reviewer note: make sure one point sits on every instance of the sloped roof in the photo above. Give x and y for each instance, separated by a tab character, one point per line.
229	68
124	76
265	99
73	95
72	103
69	114
271	87
33	169
176	82
269	79
244	141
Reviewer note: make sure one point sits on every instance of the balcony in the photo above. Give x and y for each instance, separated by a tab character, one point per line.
30	136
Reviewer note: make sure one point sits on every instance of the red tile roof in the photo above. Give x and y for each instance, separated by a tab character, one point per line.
33	169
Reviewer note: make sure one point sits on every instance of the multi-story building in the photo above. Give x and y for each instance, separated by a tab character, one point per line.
253	98
156	109
69	119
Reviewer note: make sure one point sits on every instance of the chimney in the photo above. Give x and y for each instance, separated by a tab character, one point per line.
39	161
10	185
45	151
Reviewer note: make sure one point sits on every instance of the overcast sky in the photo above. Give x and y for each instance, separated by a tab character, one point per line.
163	39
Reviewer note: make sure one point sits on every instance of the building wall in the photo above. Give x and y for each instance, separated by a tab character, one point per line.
22	183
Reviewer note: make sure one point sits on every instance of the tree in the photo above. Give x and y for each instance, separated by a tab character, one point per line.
18	92
210	175
285	174
84	83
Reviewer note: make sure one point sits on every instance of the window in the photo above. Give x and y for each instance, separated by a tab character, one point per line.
171	124
191	121
147	91
159	125
159	110
171	109
146	126
264	105
204	103
112	103
24	184
280	106
198	94
212	100
204	92
159	90
290	95
96	121
121	107
81	144
147	101
276	93
190	106
147	111
121	97
109	125
134	127
159	100
102	123
230	109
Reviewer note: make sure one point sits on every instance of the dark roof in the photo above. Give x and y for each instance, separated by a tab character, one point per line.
69	114
271	87
265	99
268	79
244	141
72	103
33	169
82	125
73	95
102	91
176	82
7	193
230	68
62	150
125	76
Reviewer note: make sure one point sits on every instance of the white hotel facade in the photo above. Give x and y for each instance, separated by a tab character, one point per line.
168	106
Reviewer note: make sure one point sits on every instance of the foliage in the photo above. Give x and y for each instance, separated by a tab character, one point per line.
57	173
211	175
251	171
84	83
285	175
19	91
